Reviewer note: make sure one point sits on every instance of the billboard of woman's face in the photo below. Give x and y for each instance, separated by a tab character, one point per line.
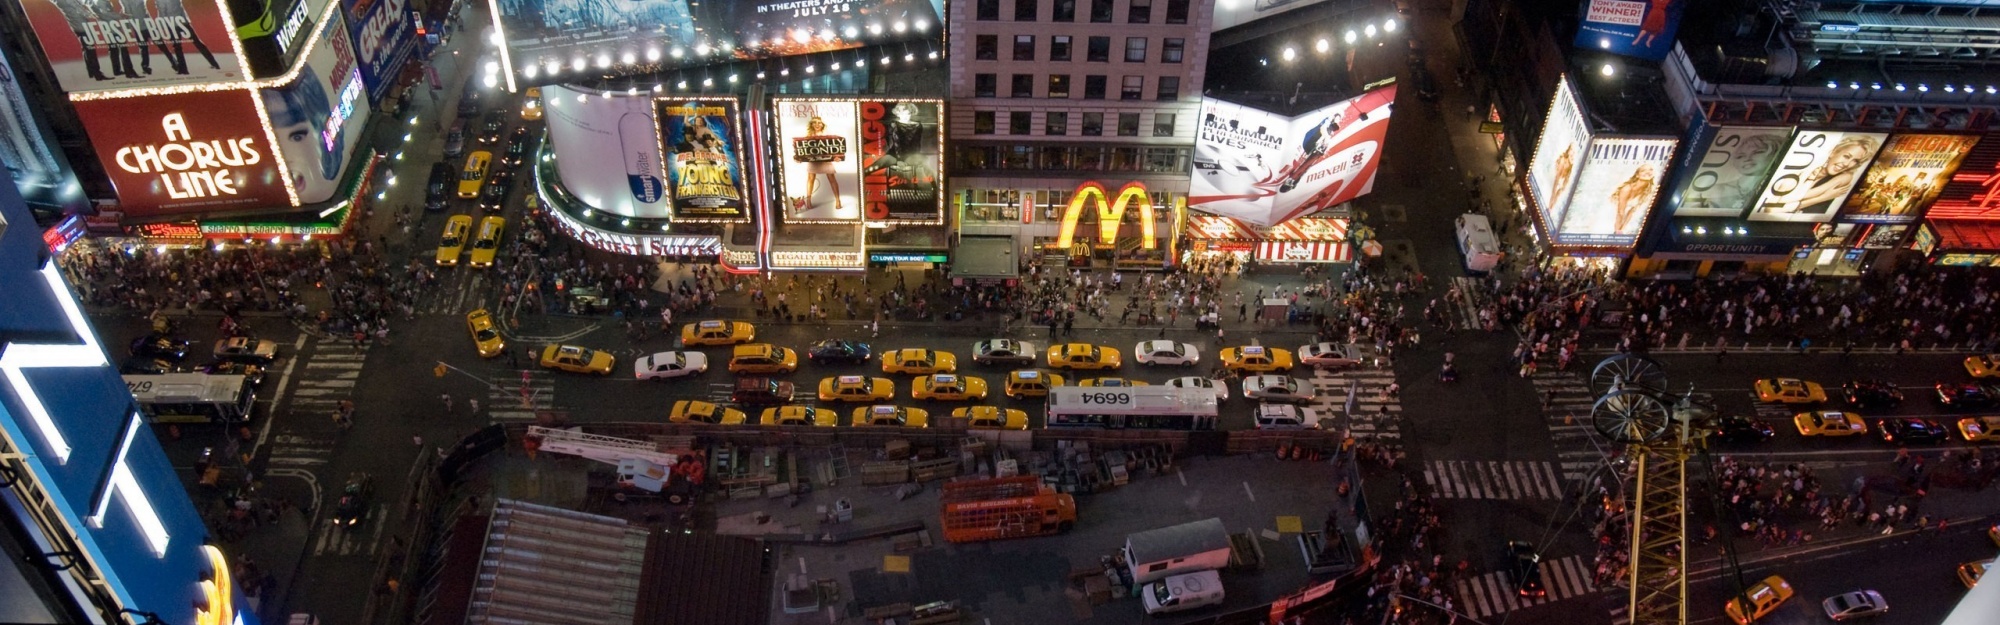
299	114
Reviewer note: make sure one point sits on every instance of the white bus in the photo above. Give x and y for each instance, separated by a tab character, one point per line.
193	397
1134	407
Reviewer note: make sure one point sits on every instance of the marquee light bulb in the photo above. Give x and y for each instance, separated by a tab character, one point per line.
1322	46
708	82
491	67
701	48
922	25
1348	37
1389	25
1370	31
1923	88
676	53
910	57
576	64
628	58
851	32
810	68
1832	85
603	61
900	26
1290	54
732	79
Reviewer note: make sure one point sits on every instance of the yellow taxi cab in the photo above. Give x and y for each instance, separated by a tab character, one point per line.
686	411
1987	366
1829	423
484	335
487	244
531	104
1031	383
453	242
473	177
1970	572
762	358
948	387
1790	391
799	415
856	388
918	361
577	359
717	332
894	416
1113	382
1758	601
1084	356
1256	359
1979	429
992	418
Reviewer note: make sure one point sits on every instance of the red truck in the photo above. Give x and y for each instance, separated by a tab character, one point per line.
1008	507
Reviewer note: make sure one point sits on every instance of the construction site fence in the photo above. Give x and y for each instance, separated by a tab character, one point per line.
948	436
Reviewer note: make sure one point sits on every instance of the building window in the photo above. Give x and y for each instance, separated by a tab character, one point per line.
1100	11
1163	124
1024	10
1171	50
984	85
1024	86
1059	48
1141	12
1055	123
1055	157
1135	49
1128	124
982	122
1058	86
1100	50
1125	159
1093	124
1166	160
1065	10
1177	11
986	47
1093	87
1019	121
1017	157
1134	88
1024	47
989	10
1169	88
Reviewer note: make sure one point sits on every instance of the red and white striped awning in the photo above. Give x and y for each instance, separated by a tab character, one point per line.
1304	252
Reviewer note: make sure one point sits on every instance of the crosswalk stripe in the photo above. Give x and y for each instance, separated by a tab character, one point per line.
1503	479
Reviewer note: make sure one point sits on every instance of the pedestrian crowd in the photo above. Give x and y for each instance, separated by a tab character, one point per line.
362	293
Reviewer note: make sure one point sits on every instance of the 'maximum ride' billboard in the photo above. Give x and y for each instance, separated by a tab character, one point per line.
1264	168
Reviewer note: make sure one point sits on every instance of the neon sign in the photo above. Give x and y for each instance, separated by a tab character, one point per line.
189	168
218	593
342	109
1110	213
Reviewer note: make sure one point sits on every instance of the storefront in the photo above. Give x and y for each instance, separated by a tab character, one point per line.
1128	225
1495	126
1301	240
1702	248
620	233
1958	243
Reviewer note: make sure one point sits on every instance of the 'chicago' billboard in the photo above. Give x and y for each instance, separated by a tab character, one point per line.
1906	176
1558	156
1732	171
1636	28
821	167
1974	192
1815	175
184	153
701	141
900	153
1620	179
101	46
1264	168
553	40
319	116
384	37
607	150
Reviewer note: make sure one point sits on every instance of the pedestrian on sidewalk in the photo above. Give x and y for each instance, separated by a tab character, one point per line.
1549	400
418	439
446	398
474	404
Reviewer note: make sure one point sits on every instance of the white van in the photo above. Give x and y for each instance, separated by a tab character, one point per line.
1476	241
1183	592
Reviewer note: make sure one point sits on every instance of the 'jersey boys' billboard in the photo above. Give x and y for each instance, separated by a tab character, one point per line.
101	45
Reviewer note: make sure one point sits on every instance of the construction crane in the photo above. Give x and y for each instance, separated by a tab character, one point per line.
1657	431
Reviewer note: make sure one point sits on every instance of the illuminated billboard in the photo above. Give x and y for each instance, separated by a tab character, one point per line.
184	153
384	36
555	40
100	46
1815	175
900	160
821	168
1974	192
1732	171
1558	155
1636	28
1233	13
607	150
701	141
1906	176
1621	177
1264	168
318	118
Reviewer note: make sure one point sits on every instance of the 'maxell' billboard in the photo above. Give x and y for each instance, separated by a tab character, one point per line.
900	154
1558	156
101	46
821	165
1906	177
701	141
1815	175
1732	171
184	153
607	150
384	37
1620	179
1264	168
